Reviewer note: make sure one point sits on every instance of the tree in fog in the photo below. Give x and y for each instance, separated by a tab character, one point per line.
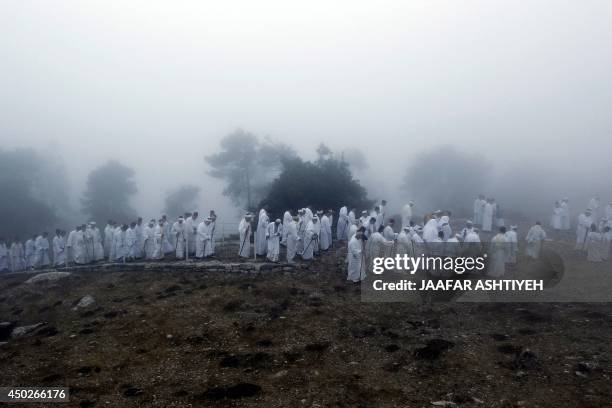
324	184
247	165
445	178
181	200
23	209
355	158
108	191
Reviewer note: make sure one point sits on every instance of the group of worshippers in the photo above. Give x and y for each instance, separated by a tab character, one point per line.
487	214
594	232
560	218
85	244
304	233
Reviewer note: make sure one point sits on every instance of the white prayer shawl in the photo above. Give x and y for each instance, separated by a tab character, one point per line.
406	215
594	243
42	251
179	233
555	219
487	217
4	257
30	253
244	229
377	247
286	220
131	242
326	233
430	231
158	239
273	236
308	215
310	240
351	217
290	231
261	246
342	227
356	264
498	253
121	246
204	245
534	239
192	233
167	244
512	239
582	228
352	230
108	239
404	244
389	234
59	251
149	239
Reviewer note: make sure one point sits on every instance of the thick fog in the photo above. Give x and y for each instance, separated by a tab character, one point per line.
157	84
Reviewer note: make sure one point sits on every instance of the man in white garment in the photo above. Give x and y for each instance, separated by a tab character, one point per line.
388	232
311	239
498	253
89	245
261	245
565	214
356	263
301	230
290	231
430	231
512	239
382	212
479	204
378	246
594	206
59	250
158	240
364	220
469	226
18	262
245	230
608	213
273	237
42	251
205	235
78	246
555	219
343	224
108	238
488	214
594	243
69	247
352	217
287	218
167	244
377	217
121	246
4	256
534	239
582	229
326	232
98	249
30	252
192	229
444	226
149	239
606	243
179	233
140	238
407	214
130	242
404	242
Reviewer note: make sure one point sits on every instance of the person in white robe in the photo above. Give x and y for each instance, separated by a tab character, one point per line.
149	239
59	249
487	216
98	249
565	214
364	220
444	226
301	229
273	237
310	239
287	218
512	239
158	240
608	214
261	245
370	227
326	232
378	247
555	219
121	245
407	214
498	215
17	255
343	224
594	245
140	238
388	232
498	254
594	206
130	242
290	231
582	229
42	251
606	242
316	222
245	231
4	256
479	204
356	263
535	236
430	231
30	252
108	238
78	248
192	229
89	242
167	245
179	233
69	248
352	216
404	243
204	245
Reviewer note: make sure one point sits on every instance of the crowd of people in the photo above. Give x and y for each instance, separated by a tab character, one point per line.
306	234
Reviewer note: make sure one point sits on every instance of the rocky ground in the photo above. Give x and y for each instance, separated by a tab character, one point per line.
293	338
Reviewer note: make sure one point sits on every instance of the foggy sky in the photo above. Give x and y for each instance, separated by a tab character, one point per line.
156	84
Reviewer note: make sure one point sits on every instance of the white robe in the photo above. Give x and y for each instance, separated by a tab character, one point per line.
555	219
430	231
534	239
356	264
487	217
140	240
286	220
478	210
582	228
342	227
310	241
404	244
89	243
498	253
406	215
148	234
121	247
512	240
290	231
131	242
594	245
108	239
179	234
158	239
42	251
273	236
78	249
261	246
59	251
4	257
389	234
204	246
605	245
326	233
167	243
30	253
18	262
565	216
192	233
244	230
